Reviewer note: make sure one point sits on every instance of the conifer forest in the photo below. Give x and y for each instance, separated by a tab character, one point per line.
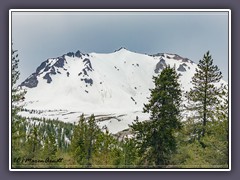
162	141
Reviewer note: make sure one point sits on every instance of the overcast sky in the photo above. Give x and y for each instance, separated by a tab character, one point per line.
41	35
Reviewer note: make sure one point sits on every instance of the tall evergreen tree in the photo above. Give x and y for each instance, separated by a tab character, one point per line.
156	137
93	131
130	153
78	143
217	133
84	140
16	96
214	154
204	93
106	147
49	146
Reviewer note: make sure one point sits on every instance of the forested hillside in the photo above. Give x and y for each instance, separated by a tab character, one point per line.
162	141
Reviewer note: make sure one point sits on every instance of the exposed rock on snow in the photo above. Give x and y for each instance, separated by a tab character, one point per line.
112	86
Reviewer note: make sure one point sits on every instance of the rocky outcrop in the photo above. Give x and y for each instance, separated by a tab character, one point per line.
160	65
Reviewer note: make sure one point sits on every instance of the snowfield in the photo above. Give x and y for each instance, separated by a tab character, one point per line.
111	86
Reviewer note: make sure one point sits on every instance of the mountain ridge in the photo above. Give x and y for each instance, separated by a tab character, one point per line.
59	62
113	86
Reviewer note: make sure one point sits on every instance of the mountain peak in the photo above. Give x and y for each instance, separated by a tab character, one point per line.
78	54
72	54
121	49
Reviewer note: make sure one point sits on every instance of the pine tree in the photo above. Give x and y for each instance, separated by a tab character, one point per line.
16	96
49	146
92	133
204	93
33	143
204	144
104	150
156	137
78	143
217	133
83	142
214	154
130	153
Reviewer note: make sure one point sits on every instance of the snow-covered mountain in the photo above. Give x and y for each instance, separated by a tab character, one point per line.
112	86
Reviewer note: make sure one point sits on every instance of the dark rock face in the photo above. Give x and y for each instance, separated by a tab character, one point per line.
88	81
158	54
70	54
42	66
177	57
60	63
88	63
163	62
46	68
160	65
85	72
87	67
78	54
47	77
31	81
53	71
181	68
185	60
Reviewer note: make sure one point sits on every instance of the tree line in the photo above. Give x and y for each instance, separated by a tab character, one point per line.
162	141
